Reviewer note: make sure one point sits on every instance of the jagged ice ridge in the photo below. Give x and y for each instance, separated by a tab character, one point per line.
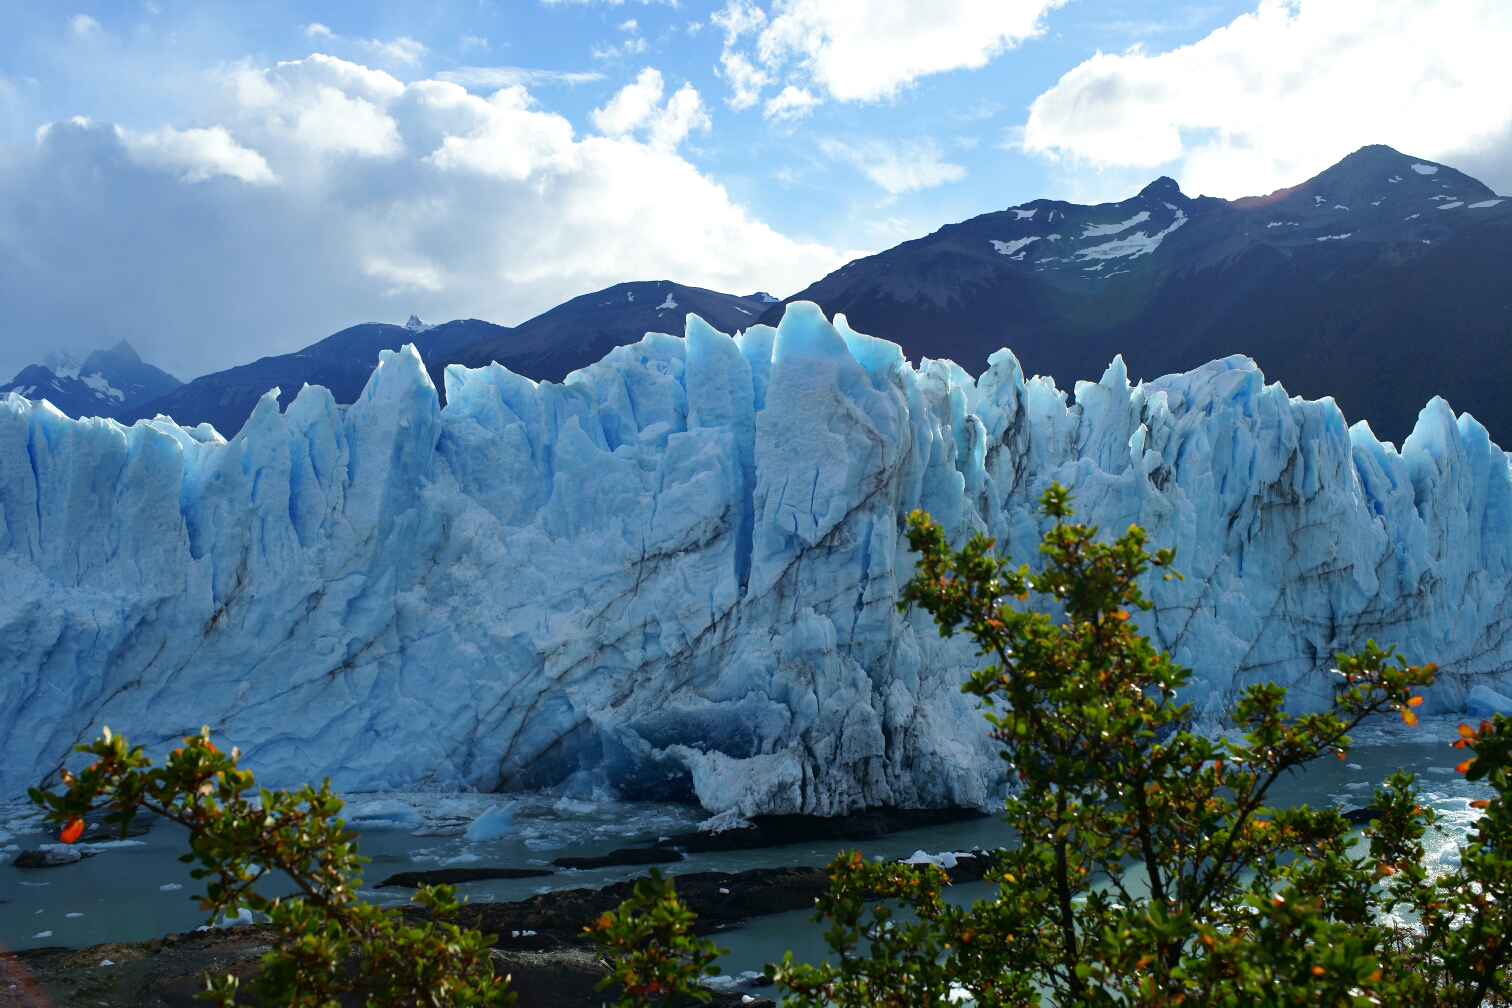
676	574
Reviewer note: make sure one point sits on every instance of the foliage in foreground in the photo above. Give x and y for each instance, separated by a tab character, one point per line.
648	939
236	839
1151	868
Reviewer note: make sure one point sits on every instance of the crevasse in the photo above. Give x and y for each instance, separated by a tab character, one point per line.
676	574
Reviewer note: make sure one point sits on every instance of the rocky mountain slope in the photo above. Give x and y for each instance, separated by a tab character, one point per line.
1384	281
341	363
109	383
580	332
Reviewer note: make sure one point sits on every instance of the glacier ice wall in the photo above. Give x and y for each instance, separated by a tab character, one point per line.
675	574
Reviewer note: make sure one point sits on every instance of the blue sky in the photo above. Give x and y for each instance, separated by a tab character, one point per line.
217	182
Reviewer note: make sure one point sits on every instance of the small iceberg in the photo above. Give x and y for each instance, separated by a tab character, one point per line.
491	825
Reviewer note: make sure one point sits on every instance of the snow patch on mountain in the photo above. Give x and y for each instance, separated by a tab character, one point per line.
677	574
1425	169
1007	248
1135	245
1094	230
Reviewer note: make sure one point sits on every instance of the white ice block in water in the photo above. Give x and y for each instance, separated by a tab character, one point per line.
494	823
676	574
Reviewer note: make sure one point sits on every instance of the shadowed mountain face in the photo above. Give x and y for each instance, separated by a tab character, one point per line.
1383	281
581	331
546	348
342	363
110	383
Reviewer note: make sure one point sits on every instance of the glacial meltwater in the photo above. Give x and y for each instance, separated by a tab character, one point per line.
138	889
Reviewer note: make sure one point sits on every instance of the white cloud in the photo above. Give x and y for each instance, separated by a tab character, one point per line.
637	106
898	168
470	41
390	199
789	104
738	18
507	76
196	154
400	51
745	78
869	50
632	26
83	24
1277	95
403	50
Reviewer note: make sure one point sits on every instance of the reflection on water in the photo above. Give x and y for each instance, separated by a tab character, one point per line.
140	890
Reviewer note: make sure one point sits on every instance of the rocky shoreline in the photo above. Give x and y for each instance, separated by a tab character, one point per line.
541	944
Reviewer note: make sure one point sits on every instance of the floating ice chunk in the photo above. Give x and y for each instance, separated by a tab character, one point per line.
1337	207
496	822
1378	202
1484	701
1093	230
944	859
1010	247
1484	203
385	814
1354	766
106	962
463	858
1274	224
42	934
1346	234
1425	169
1414	215
170	887
1426	738
1319	199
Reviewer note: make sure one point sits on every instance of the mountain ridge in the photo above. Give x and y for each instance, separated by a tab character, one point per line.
1292	279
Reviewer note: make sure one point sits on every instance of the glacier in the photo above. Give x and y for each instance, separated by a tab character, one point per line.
675	576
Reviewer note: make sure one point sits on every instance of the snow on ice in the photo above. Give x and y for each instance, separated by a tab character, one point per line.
676	574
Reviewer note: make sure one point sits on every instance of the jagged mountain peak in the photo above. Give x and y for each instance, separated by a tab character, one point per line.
109	383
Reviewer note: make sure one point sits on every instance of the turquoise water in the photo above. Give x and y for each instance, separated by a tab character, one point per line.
126	893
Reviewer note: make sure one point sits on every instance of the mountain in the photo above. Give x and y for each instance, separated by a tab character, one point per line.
110	383
341	363
678	576
579	332
1382	282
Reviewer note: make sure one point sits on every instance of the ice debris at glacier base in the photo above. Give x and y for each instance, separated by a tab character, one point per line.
676	574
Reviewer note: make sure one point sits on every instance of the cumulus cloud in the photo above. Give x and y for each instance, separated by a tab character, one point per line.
196	154
323	193
1281	93
898	168
637	107
83	24
789	104
866	50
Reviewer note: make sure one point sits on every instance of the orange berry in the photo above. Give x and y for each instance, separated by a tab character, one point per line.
72	830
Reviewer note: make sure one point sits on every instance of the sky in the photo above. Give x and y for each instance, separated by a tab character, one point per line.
218	182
